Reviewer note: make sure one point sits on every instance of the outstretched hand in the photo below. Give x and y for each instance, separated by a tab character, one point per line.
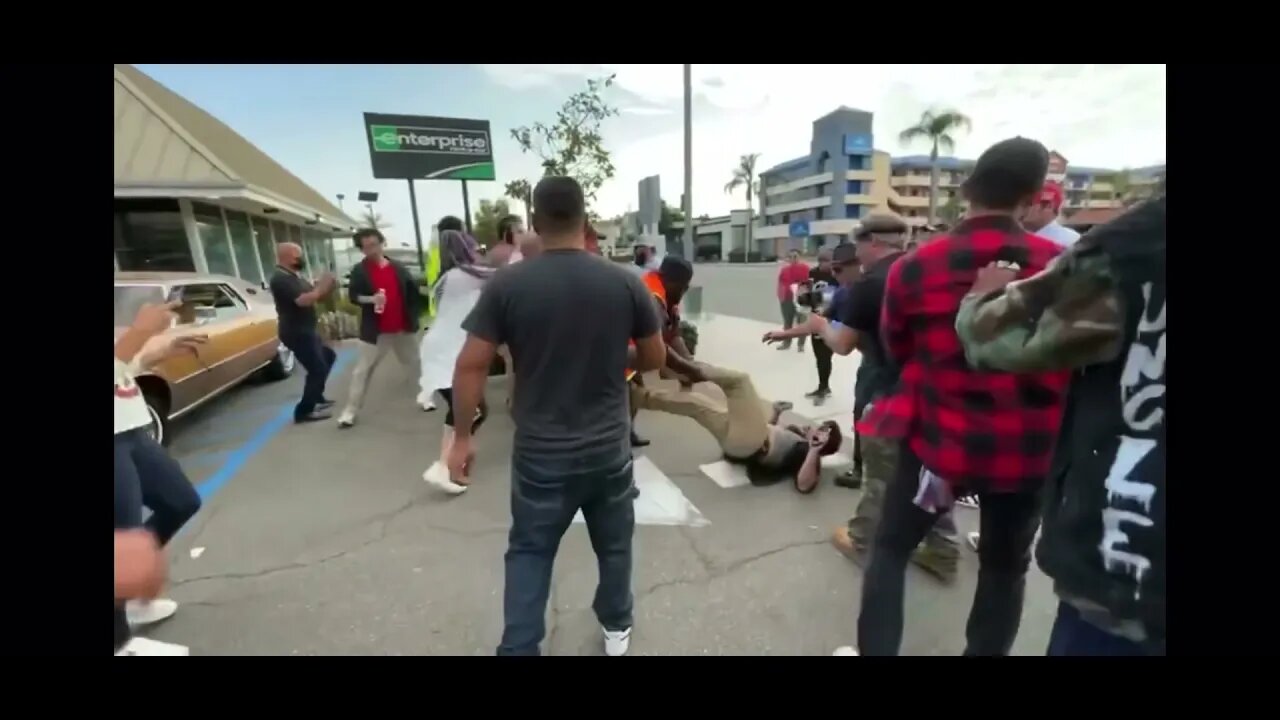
774	336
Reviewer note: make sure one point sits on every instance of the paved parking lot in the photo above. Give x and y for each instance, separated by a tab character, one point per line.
315	540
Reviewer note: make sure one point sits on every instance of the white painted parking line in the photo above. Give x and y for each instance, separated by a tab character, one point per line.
661	502
726	474
144	647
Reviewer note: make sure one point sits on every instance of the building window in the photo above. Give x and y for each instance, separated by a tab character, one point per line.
823	161
151	236
818	213
823	190
853	211
854	187
786	218
243	246
859	162
266	246
213	237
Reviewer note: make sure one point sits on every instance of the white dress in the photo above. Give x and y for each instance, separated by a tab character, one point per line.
443	341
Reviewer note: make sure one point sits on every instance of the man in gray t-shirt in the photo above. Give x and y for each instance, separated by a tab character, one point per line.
567	317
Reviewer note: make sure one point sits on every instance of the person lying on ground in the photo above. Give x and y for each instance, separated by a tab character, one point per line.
769	451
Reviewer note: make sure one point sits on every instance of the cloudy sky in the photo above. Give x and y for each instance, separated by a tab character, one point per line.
308	117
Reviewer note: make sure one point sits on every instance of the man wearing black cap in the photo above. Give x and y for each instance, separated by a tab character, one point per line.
571	449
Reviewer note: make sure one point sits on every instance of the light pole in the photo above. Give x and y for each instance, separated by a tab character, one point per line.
688	162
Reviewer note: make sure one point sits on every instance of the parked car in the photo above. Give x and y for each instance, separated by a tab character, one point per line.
240	320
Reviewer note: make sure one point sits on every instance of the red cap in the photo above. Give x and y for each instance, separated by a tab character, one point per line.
1052	193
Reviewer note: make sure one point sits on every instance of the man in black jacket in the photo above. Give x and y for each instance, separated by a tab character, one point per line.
1098	308
389	306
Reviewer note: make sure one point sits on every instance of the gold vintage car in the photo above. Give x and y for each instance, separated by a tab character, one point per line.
240	320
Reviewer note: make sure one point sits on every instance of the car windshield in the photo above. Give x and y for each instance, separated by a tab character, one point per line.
129	298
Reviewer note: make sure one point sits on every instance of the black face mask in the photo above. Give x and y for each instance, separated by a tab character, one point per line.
300	263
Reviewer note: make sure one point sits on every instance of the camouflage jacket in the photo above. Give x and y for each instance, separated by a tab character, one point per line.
1067	316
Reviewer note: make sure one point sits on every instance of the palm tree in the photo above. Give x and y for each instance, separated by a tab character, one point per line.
938	127
371	219
745	176
522	191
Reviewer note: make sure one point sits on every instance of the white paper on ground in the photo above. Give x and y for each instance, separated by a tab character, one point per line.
196	552
661	502
147	647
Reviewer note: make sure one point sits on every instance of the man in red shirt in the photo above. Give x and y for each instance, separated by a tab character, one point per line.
390	305
792	273
963	431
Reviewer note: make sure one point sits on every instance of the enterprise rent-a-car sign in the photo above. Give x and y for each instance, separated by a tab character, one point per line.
428	148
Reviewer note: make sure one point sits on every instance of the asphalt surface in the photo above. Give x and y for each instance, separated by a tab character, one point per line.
320	541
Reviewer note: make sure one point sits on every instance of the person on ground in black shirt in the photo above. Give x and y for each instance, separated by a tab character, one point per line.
571	449
770	452
296	300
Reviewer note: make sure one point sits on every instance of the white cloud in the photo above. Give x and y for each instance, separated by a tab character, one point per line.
1111	116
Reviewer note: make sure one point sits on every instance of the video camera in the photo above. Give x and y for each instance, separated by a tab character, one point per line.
815	296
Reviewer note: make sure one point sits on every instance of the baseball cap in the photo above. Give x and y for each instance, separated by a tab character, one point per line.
1052	193
882	225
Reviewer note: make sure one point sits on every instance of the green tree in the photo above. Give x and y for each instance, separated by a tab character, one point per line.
522	192
667	218
488	214
371	219
951	210
1122	187
938	128
572	144
745	176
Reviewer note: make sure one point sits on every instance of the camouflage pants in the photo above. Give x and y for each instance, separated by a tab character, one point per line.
939	550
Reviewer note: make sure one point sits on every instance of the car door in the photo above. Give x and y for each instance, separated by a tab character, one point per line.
261	338
208	308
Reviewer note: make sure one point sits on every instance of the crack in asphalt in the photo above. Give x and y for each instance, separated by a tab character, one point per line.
728	569
383	521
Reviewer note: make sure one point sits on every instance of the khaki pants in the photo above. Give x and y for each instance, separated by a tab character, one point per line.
405	347
740	426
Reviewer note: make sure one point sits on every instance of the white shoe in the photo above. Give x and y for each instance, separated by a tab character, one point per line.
845	650
617	642
145	647
149	612
438	475
425	402
347	419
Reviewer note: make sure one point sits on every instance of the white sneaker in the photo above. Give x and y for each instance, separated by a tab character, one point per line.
145	647
149	612
347	420
438	475
845	650
617	642
425	402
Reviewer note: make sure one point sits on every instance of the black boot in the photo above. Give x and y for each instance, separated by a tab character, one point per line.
637	441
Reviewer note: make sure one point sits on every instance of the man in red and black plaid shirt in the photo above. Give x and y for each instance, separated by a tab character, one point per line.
963	431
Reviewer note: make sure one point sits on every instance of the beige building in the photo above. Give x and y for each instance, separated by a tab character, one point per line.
193	195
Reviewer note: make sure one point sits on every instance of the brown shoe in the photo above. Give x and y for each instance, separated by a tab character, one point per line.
846	544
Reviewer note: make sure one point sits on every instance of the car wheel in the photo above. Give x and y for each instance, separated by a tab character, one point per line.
282	365
159	427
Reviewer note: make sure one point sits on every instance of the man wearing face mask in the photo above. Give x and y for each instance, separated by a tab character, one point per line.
296	300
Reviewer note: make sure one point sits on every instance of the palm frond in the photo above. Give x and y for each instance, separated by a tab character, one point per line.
911	134
946	143
949	120
732	184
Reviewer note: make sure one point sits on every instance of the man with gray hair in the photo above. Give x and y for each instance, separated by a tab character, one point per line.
878	243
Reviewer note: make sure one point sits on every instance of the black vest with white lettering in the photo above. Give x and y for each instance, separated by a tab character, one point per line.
1104	525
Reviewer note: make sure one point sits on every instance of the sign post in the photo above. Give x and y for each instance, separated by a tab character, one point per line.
418	147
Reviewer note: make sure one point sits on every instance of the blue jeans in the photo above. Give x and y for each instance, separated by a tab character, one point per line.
1073	635
146	475
545	495
317	359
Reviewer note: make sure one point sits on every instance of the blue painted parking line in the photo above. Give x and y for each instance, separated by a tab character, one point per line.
237	458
